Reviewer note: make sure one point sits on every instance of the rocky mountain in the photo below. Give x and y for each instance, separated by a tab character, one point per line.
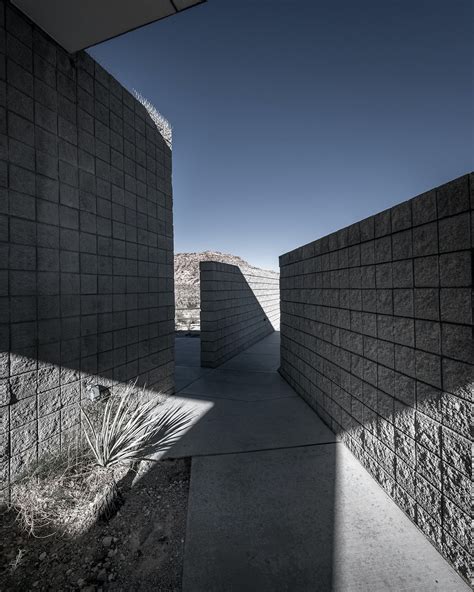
186	274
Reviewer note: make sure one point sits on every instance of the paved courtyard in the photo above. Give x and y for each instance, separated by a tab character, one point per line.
276	502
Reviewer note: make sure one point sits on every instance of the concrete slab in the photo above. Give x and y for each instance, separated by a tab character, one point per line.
275	503
232	384
187	351
186	375
305	519
225	426
271	347
246	362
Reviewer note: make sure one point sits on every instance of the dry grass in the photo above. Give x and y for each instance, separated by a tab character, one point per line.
15	563
59	496
162	124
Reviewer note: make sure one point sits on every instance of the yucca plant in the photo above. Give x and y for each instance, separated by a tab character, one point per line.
131	429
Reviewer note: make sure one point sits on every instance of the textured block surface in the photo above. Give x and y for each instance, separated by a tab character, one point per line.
376	333
238	308
86	244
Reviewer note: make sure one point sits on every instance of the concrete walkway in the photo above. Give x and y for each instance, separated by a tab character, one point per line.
276	502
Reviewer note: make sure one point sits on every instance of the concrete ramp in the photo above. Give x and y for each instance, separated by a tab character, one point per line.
277	504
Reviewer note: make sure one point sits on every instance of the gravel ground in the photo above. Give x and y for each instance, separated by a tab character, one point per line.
140	549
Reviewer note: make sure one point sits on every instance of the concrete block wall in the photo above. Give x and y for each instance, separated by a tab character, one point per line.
376	335
238	308
86	242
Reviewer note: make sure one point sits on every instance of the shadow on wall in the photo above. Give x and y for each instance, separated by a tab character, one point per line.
237	310
377	337
86	244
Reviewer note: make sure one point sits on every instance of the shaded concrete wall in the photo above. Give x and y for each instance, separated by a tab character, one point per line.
86	242
377	338
238	308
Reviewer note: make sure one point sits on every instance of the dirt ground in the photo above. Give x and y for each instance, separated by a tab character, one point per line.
140	549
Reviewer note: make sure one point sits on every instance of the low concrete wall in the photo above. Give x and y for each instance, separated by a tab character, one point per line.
238	308
377	338
86	242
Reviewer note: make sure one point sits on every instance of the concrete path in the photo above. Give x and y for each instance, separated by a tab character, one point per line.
276	503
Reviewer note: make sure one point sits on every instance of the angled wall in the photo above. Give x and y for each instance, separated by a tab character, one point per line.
376	335
238	308
86	242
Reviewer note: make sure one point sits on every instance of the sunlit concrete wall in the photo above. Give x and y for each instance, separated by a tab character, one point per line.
376	334
86	242
238	308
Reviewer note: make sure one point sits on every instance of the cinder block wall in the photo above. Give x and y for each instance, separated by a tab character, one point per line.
238	308
86	242
377	337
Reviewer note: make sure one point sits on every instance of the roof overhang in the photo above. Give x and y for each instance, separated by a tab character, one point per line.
77	24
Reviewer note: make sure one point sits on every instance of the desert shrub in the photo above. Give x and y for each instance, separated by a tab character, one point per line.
132	428
67	492
59	494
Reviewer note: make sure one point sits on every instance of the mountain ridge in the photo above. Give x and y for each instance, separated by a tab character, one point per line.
186	274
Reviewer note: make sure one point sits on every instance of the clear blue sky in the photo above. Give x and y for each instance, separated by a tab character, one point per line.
293	118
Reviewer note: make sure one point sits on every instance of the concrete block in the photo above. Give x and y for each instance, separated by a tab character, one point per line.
457	342
427	303
5	394
456	451
23	412
22	206
18	26
21	129
403	302
456	486
455	269
458	378
453	197
401	216
456	413
402	274
428	368
402	245
455	233
425	239
424	208
383	249
19	103
428	336
382	223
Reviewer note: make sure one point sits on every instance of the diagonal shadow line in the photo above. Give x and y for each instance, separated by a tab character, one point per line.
225	335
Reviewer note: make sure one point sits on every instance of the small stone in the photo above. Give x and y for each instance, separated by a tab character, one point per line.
42	557
107	541
80	582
